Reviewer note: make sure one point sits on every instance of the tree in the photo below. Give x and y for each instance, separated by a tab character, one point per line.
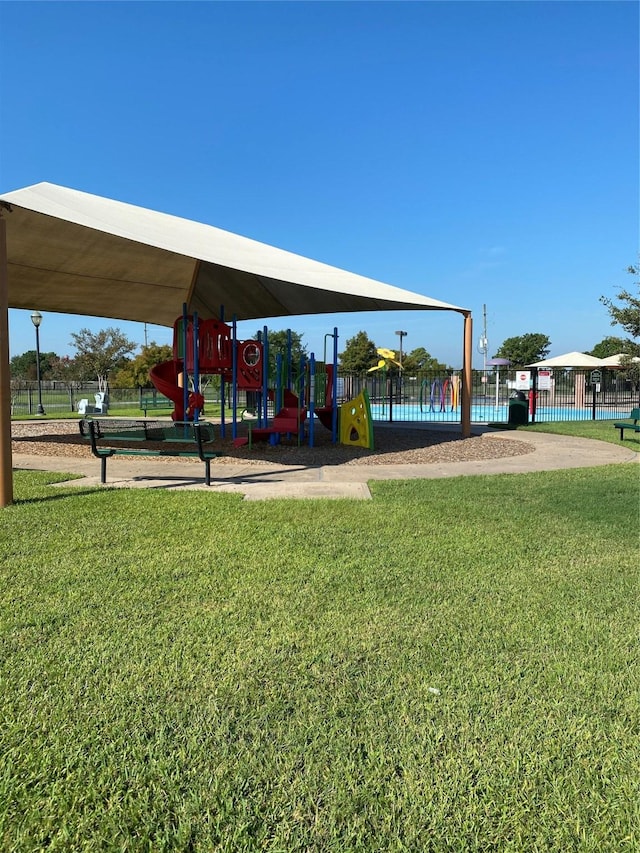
420	359
135	374
608	346
25	366
278	345
359	354
67	371
101	353
627	314
277	341
524	349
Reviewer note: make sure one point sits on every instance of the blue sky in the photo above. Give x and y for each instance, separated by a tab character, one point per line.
475	152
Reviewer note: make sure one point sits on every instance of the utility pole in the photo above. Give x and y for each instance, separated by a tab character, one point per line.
483	347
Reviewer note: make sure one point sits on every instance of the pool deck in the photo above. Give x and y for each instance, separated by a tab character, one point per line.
256	481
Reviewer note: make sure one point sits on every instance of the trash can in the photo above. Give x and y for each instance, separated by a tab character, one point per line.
518	412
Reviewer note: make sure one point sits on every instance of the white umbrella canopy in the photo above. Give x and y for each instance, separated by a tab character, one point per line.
76	253
498	363
616	360
570	359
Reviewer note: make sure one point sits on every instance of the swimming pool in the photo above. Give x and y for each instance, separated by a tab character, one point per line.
483	413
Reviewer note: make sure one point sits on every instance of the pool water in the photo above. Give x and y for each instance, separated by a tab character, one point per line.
487	413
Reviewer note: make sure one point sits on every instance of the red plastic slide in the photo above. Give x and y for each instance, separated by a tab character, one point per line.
165	378
325	416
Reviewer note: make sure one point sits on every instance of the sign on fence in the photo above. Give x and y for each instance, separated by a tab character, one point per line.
544	380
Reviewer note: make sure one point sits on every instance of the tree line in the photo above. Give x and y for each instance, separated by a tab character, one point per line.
104	356
108	356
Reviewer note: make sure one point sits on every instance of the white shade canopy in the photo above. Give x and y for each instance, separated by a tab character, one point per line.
570	359
76	253
616	360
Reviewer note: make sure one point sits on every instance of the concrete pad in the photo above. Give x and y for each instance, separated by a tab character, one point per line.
265	491
272	481
274	488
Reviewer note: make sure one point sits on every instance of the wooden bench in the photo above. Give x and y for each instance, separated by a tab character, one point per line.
113	437
634	418
148	404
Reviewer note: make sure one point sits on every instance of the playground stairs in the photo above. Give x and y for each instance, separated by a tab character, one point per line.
288	421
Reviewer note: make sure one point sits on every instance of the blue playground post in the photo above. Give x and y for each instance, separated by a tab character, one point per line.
265	379
289	361
234	378
302	386
334	382
196	362
334	395
185	373
312	395
223	391
279	388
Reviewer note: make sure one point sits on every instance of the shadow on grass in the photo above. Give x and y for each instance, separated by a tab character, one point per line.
72	493
39	480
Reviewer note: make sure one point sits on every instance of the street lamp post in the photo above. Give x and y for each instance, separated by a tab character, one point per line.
36	319
401	335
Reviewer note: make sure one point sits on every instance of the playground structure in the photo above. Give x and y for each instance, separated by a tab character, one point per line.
356	425
297	395
205	347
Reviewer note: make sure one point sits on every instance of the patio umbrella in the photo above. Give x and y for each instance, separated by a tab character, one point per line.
498	363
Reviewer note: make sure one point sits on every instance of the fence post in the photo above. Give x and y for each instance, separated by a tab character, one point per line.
534	390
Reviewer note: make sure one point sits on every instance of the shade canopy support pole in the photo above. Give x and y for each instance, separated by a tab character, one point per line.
6	463
467	375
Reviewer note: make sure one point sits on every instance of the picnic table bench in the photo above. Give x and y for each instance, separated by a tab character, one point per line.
632	423
114	437
155	403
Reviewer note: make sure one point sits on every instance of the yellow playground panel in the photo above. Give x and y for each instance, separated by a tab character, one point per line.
356	426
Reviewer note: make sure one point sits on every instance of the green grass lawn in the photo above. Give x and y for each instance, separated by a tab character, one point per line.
122	411
599	430
453	666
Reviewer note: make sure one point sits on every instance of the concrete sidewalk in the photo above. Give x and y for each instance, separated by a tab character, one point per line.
257	481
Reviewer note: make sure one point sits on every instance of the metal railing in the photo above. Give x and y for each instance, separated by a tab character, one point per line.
435	397
61	399
424	397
